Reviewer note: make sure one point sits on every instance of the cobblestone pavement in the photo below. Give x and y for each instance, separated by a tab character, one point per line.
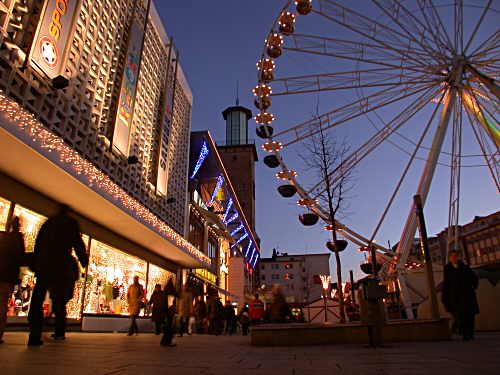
85	353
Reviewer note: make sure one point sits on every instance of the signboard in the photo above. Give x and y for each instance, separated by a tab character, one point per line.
55	32
123	123
204	274
162	174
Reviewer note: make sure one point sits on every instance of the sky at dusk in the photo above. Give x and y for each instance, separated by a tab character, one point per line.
220	43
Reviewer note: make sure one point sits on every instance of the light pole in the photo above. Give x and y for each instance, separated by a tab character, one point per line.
325	282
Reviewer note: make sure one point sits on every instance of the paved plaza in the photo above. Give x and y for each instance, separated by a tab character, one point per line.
84	353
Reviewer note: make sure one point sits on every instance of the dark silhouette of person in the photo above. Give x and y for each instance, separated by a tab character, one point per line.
168	329
158	302
56	271
459	294
11	259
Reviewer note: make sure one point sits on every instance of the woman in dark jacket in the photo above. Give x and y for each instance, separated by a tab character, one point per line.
459	293
158	302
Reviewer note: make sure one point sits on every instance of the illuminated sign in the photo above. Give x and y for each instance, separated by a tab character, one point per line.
161	171
205	275
51	45
123	123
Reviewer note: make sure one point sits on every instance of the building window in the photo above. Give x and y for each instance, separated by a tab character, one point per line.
235	157
275	266
288	266
263	277
262	266
275	276
288	276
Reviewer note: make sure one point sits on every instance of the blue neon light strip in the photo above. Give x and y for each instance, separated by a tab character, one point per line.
228	207
242	238
248	248
255	261
237	230
253	253
232	218
201	158
218	185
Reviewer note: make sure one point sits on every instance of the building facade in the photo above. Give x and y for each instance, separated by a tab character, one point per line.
478	243
96	114
218	226
295	274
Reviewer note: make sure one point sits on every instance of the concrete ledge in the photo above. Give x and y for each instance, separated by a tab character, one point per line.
330	334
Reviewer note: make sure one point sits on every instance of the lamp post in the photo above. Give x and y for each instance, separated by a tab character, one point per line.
325	282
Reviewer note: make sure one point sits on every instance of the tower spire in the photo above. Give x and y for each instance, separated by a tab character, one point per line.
237	93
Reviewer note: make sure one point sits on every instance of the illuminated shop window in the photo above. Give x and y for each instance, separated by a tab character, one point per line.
4	212
110	273
160	276
31	222
74	306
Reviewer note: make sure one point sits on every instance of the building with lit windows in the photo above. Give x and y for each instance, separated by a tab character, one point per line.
478	242
96	113
295	274
218	226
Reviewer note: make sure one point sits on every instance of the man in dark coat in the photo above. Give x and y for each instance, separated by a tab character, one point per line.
200	308
56	271
459	293
11	258
158	303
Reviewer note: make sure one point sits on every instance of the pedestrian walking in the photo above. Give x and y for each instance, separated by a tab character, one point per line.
135	300
200	308
168	327
279	309
185	309
459	294
158	304
229	315
256	311
56	271
244	320
11	259
216	314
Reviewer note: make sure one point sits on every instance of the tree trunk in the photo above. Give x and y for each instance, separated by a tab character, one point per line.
340	290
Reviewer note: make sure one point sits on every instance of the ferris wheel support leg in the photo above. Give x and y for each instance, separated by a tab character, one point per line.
405	296
406	241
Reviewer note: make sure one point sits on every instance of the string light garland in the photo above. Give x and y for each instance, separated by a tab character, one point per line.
248	248
325	281
256	259
228	207
49	142
218	185
201	158
232	218
241	226
242	237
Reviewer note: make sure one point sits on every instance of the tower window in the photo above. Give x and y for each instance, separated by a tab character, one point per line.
235	157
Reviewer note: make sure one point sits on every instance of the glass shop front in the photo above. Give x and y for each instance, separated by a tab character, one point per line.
101	288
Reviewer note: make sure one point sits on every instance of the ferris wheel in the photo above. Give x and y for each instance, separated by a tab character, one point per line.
423	74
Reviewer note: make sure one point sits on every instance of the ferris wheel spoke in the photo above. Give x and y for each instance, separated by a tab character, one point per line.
371	29
478	25
433	15
459	21
369	51
490	43
382	135
360	52
413	156
414	27
492	159
351	111
434	23
328	82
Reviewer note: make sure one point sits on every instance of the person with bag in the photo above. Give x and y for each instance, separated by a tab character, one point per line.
56	271
11	259
135	300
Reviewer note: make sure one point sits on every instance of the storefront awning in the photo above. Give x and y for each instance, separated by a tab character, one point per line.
38	159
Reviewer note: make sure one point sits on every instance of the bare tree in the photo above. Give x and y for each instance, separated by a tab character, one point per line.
325	156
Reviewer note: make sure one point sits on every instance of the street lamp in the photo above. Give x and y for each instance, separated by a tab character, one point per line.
325	282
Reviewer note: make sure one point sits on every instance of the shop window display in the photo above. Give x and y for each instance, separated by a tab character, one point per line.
4	213
110	273
74	306
31	223
160	276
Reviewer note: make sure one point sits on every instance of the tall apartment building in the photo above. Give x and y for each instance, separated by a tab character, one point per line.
294	273
96	113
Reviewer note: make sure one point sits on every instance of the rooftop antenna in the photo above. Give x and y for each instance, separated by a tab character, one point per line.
237	93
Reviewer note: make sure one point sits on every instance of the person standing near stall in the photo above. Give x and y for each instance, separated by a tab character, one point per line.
256	311
11	258
56	271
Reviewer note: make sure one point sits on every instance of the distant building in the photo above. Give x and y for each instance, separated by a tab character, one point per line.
478	243
295	274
